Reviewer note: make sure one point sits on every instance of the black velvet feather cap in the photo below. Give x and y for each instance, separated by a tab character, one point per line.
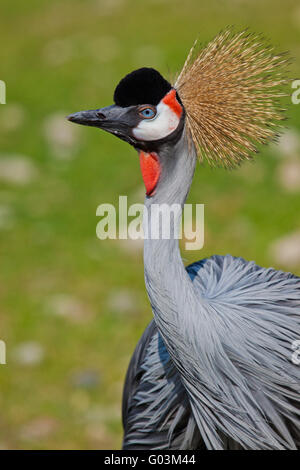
142	86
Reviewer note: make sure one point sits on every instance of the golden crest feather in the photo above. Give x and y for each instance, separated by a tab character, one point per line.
232	91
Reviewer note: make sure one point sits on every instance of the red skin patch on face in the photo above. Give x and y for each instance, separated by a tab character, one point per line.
150	171
171	101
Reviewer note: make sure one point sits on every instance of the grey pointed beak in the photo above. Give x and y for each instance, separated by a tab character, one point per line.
113	119
93	118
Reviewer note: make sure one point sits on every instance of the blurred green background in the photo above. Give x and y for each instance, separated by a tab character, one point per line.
72	306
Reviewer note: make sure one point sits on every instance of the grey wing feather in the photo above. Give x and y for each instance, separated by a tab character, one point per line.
255	315
156	410
134	371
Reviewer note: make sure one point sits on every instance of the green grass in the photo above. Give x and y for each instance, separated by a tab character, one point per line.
61	57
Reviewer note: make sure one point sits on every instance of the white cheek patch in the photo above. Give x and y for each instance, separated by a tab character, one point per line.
164	123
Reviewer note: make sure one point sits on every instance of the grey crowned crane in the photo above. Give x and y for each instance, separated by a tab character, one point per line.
213	370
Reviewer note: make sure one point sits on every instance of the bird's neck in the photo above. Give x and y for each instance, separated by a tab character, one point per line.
167	282
179	312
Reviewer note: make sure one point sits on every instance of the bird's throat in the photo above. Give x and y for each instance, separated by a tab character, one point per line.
151	170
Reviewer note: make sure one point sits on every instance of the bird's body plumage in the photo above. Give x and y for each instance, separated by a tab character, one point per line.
156	408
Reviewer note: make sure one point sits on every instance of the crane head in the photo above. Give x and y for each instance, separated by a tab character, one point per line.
146	113
227	97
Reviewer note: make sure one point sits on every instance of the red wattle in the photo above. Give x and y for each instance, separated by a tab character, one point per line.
150	171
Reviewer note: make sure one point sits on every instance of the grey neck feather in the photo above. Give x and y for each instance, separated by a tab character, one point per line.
168	285
179	313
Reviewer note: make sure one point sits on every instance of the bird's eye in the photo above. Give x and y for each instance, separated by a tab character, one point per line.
147	113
